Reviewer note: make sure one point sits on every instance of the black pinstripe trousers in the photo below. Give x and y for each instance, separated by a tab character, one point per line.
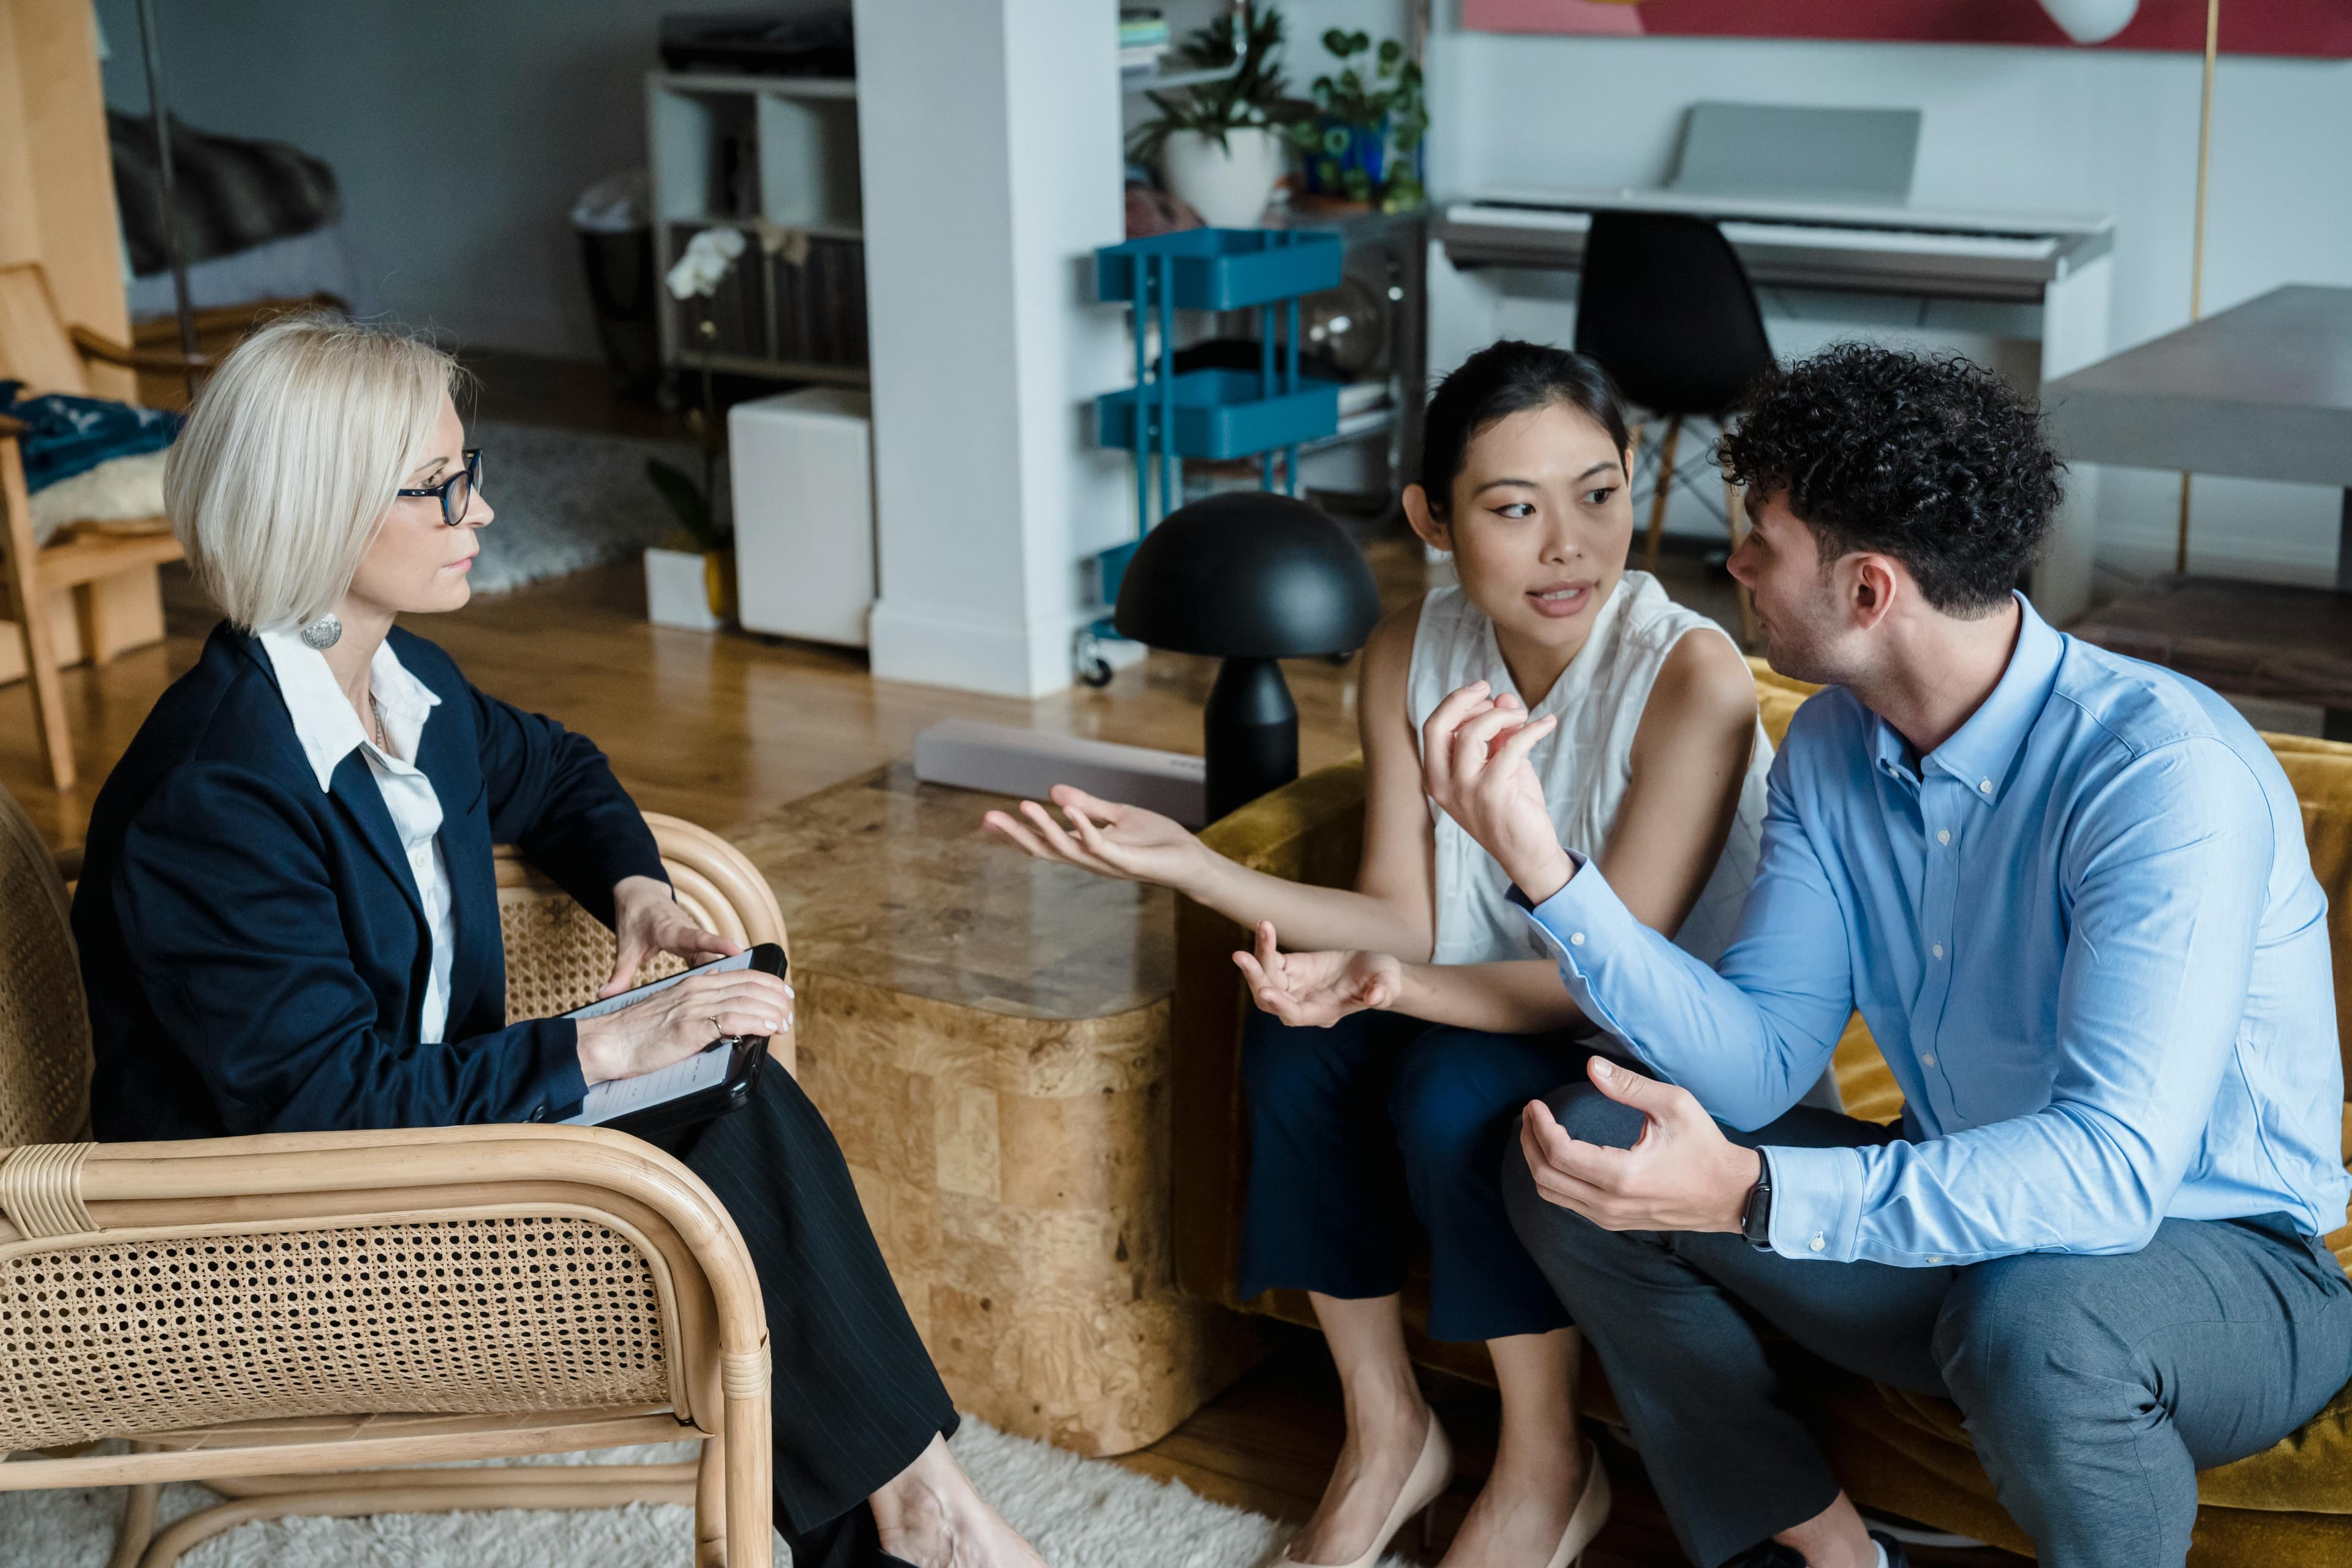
856	1396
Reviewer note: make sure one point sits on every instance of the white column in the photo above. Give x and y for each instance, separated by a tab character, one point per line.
991	162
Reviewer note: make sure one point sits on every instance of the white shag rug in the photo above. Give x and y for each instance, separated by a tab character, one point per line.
567	499
1080	1513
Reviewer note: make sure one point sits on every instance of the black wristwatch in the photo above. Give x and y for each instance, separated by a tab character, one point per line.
1755	1220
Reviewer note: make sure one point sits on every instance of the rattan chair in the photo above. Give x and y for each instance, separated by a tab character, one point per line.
270	1314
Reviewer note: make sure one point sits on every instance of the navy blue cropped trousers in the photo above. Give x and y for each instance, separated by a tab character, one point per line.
1358	1130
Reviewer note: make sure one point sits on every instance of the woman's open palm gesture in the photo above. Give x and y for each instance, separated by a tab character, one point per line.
1316	990
1102	836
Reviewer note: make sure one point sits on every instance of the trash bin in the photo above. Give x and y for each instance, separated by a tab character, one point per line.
616	242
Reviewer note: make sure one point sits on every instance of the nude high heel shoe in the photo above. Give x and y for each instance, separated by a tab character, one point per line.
1433	1472
1591	1513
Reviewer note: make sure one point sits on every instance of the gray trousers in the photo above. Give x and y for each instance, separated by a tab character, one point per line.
2094	1387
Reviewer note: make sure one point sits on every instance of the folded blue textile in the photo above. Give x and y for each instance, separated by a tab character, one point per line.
65	436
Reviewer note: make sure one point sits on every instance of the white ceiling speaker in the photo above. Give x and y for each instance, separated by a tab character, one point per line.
2090	21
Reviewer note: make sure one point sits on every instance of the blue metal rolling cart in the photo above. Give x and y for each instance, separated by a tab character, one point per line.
1213	414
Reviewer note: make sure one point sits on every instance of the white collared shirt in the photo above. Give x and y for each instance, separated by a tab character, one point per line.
329	729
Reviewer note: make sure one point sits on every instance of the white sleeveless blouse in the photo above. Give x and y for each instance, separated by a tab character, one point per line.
1585	765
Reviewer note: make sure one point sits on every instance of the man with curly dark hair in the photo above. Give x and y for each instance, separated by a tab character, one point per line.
2070	895
1933	462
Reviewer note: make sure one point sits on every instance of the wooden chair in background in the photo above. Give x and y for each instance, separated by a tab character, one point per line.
251	1312
95	585
64	320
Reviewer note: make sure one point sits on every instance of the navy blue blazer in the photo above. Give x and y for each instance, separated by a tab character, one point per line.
255	949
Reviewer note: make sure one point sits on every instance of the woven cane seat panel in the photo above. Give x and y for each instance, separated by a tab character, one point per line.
44	1060
559	955
446	1316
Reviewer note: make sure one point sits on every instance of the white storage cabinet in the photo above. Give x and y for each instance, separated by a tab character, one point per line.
802	468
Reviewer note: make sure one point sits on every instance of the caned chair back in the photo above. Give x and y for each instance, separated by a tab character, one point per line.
44	1062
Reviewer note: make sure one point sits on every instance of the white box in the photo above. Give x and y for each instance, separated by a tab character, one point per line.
801	464
678	592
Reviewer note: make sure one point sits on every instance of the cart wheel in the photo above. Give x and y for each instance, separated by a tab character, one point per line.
1087	662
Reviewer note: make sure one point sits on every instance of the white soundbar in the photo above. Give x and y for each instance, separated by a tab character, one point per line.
1006	760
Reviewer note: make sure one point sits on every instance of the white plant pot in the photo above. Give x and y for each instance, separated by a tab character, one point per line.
677	592
1227	186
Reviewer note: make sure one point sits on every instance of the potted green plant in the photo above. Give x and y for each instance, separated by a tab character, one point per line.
1220	145
1363	144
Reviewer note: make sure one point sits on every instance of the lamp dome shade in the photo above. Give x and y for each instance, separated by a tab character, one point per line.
2090	21
1248	574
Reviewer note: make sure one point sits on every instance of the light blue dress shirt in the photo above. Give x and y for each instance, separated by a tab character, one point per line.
2084	930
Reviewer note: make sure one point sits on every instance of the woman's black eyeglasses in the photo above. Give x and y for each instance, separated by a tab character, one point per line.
457	491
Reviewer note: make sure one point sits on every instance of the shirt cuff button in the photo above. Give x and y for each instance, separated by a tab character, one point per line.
1575	938
1818	1243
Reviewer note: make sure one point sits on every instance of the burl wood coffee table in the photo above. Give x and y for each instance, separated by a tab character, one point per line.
988	1036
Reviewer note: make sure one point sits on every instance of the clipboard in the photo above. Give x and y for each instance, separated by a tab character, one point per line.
720	1077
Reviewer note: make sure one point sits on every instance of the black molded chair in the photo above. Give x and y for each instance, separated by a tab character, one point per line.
1665	306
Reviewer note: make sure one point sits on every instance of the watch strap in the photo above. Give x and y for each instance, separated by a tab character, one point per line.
1756	1219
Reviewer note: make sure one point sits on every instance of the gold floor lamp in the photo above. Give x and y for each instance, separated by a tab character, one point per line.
2196	248
2095	22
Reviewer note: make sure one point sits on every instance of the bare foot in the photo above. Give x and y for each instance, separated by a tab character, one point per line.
930	1516
1373	1467
1521	1513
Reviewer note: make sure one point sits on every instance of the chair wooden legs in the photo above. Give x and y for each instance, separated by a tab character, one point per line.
32	610
1734	523
711	1505
749	1459
1665	489
361	1493
138	1527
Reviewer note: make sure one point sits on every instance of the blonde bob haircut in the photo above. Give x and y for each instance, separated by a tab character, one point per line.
290	457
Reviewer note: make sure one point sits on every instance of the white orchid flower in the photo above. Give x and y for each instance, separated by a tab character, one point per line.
708	258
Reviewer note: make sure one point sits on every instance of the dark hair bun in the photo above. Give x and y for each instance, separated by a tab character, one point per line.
1502	379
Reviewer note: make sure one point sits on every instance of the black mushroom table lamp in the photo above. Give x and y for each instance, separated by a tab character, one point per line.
1251	577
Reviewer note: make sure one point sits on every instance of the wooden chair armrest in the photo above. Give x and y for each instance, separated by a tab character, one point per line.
436	1165
98	346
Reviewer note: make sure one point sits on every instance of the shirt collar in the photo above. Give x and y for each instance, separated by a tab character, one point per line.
1979	752
324	722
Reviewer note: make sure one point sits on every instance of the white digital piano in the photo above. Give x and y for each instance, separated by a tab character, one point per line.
2026	293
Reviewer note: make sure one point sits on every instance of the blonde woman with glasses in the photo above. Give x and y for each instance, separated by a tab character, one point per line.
289	917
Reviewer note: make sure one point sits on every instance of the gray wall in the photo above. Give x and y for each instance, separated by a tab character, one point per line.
460	131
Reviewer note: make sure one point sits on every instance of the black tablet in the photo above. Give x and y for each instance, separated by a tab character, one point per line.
710	1083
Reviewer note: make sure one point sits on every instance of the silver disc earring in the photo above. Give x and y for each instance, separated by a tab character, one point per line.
324	633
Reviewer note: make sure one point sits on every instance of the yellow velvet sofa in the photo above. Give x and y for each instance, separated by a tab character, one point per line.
1894	1451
